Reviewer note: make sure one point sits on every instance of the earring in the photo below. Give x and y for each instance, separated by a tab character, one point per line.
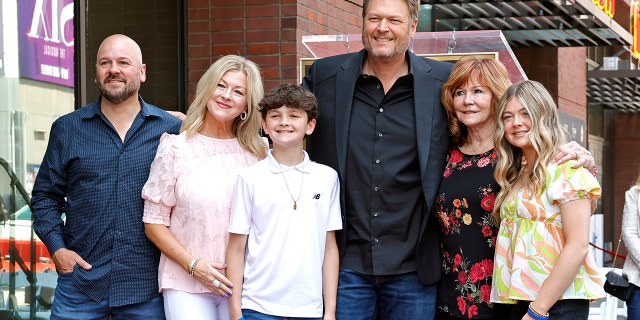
244	115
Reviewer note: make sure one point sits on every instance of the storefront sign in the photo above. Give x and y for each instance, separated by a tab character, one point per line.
635	13
46	40
608	6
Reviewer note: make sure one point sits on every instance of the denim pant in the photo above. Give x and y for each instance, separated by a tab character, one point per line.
71	303
364	297
633	305
255	315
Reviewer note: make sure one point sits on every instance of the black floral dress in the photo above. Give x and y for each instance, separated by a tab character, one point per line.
468	234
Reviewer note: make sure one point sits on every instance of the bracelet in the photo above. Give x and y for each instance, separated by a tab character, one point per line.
192	266
535	314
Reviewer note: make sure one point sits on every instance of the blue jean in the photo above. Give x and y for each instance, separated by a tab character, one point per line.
71	303
249	314
403	296
633	305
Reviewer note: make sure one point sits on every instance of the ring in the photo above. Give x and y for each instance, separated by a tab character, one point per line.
576	158
216	283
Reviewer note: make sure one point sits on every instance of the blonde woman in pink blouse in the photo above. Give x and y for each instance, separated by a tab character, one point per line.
189	190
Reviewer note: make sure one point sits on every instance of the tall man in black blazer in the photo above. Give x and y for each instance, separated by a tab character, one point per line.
383	129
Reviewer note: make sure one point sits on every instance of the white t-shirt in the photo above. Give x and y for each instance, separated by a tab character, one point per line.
285	248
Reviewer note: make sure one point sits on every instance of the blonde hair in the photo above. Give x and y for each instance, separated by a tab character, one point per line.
487	72
545	134
246	131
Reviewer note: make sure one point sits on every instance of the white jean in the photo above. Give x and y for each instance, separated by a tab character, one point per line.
180	305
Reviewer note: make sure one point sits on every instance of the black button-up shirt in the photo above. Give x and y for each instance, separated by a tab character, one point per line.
384	201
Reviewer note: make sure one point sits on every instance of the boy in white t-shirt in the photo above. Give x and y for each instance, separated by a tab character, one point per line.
282	256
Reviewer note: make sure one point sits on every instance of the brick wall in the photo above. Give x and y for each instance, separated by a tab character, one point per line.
562	71
267	32
540	64
625	165
153	25
572	81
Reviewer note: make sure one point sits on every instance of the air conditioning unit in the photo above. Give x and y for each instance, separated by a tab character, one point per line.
610	63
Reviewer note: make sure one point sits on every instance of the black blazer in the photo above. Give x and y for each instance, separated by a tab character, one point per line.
332	80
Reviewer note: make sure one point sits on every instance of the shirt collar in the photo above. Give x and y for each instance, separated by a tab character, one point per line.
408	56
93	109
275	167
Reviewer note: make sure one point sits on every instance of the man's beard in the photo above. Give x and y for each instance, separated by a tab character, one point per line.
385	54
117	96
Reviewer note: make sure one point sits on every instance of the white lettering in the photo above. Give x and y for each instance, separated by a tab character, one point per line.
36	19
51	71
51	51
66	16
45	70
55	25
64	73
59	21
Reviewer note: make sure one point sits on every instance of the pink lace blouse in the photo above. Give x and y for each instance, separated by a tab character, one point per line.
189	189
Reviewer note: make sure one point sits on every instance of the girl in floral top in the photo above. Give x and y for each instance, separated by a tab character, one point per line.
542	262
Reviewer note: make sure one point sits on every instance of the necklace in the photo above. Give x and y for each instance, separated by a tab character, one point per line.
295	201
480	148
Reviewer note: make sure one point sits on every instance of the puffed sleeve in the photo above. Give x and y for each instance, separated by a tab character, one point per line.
159	190
567	184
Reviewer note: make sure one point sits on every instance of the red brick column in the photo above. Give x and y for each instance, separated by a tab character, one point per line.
267	32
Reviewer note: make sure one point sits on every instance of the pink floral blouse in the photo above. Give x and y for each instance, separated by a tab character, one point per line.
189	189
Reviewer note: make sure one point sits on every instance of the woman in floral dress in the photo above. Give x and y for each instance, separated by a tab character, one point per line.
464	203
465	198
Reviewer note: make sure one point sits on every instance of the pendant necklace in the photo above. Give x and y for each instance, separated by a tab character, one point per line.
295	201
480	148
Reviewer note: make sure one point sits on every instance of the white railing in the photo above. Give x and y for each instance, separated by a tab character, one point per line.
610	307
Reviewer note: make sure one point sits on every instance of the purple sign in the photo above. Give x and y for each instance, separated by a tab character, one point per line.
45	34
